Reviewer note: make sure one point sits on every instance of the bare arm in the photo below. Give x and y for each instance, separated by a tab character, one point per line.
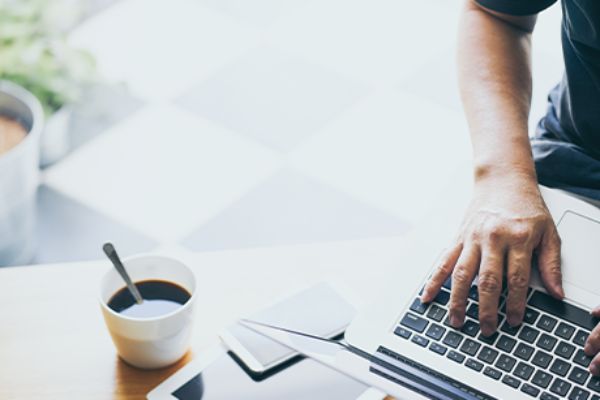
507	221
495	82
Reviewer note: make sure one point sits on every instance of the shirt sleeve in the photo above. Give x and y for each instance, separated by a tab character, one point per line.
516	7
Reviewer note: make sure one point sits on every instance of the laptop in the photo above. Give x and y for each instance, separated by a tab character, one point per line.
408	349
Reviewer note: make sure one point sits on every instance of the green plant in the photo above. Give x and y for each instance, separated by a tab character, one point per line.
35	54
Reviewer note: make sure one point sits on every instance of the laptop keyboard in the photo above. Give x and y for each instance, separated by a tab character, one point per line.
543	357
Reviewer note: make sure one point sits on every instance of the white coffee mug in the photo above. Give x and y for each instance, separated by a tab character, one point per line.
154	342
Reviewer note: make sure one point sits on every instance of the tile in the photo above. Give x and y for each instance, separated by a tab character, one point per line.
273	98
392	150
436	81
163	171
101	107
158	48
69	231
290	208
379	42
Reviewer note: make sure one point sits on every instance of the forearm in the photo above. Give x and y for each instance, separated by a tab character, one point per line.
495	83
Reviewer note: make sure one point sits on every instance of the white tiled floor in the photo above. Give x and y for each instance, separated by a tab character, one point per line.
163	171
245	111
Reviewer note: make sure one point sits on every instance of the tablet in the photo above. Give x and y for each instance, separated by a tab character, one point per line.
216	376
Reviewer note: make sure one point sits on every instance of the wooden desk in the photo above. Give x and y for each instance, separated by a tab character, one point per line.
54	345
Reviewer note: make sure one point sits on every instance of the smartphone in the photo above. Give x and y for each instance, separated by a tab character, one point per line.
320	310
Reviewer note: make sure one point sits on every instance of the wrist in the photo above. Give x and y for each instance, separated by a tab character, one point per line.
495	172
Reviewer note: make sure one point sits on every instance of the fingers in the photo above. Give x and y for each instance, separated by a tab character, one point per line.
490	287
591	349
595	365
462	276
443	271
592	344
549	263
518	273
596	312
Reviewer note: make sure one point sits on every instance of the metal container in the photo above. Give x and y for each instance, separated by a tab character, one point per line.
19	176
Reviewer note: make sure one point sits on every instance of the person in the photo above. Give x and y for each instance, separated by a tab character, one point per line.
507	223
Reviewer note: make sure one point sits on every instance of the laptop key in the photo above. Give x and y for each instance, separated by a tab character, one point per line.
511	330
418	307
523	371
560	387
470	347
546	323
528	334
546	342
548	396
453	339
505	363
456	356
420	340
435	331
506	343
474	364
414	322
473	311
523	351
487	355
470	328
436	313
564	331
492	373
541	359
565	311
442	297
581	359
530	390
448	283
581	337
594	384
579	375
579	394
530	316
541	379
488	339
564	350
403	333
438	348
511	381
474	293
560	367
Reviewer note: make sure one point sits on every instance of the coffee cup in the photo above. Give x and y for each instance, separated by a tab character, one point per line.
151	336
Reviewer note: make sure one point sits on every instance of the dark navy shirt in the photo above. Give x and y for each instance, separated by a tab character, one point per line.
566	144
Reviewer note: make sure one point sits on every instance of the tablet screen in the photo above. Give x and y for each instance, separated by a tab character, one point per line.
225	380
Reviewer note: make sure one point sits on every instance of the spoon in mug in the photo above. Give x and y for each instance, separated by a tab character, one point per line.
111	253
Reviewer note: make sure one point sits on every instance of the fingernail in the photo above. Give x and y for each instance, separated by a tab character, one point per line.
594	369
514	320
454	321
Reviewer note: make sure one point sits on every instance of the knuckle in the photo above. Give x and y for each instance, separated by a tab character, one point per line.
518	281
489	283
495	233
461	275
520	234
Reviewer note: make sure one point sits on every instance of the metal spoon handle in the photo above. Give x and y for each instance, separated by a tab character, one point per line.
111	253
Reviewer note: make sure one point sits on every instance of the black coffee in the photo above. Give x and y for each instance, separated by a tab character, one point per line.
160	297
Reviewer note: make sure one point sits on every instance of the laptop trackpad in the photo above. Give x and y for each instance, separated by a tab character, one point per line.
580	258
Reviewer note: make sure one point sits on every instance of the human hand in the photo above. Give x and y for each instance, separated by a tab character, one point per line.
506	223
592	345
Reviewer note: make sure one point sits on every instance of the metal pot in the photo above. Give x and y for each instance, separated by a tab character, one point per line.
19	176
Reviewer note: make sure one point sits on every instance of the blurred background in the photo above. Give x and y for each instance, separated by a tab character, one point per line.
224	124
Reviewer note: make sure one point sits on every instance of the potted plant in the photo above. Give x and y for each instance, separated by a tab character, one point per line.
35	54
